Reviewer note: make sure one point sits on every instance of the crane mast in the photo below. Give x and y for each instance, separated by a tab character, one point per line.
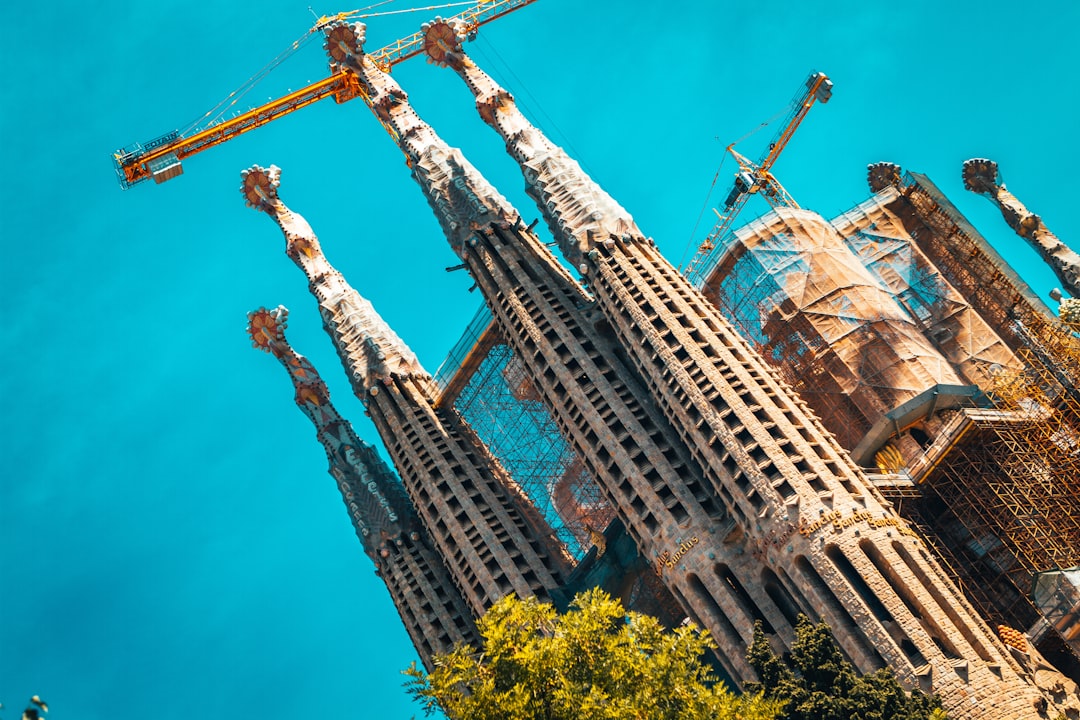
162	157
754	178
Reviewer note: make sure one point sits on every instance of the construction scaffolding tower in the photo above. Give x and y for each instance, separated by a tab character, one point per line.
500	404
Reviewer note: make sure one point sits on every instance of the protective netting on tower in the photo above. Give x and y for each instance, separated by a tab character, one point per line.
1002	506
501	405
791	285
1021	480
966	260
881	242
1057	593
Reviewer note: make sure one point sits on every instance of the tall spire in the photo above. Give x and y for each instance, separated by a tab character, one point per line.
981	176
436	616
780	473
370	350
539	310
579	212
464	202
376	501
460	196
493	541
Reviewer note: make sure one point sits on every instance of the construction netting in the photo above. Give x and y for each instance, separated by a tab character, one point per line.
966	260
499	402
879	239
793	287
1057	594
1002	495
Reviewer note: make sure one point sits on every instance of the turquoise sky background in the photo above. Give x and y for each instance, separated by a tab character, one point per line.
170	543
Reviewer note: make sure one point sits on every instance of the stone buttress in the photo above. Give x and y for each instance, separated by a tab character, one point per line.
435	614
807	513
491	538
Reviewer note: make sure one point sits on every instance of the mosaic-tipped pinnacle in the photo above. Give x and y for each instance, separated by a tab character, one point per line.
881	175
259	186
266	327
981	176
1069	311
442	41
345	41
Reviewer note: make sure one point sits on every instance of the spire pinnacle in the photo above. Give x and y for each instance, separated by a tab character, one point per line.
463	201
375	500
578	211
981	176
370	350
881	175
267	328
442	41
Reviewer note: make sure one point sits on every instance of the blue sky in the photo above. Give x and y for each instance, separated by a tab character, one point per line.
170	542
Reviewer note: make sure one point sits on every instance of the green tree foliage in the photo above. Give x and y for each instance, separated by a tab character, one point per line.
595	662
819	684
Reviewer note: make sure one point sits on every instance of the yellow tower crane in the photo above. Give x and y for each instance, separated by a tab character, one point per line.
757	178
162	157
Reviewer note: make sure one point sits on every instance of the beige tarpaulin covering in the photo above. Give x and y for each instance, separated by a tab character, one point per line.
1057	594
855	341
884	247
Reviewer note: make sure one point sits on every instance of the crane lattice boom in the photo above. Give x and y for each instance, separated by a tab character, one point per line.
161	158
753	178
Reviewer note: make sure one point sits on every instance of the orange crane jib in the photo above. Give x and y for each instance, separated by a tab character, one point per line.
754	178
161	158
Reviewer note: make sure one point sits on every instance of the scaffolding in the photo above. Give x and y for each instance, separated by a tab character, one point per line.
791	285
970	562
1040	455
995	490
967	262
1011	474
498	401
1000	501
1000	509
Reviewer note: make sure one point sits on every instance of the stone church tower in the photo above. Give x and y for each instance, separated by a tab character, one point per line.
435	614
492	540
747	507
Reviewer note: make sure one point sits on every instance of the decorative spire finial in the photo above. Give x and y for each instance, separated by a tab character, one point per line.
369	348
259	187
983	177
345	42
881	175
442	41
267	328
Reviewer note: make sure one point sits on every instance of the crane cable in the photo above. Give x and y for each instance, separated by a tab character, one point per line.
712	186
704	205
214	114
354	13
533	108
